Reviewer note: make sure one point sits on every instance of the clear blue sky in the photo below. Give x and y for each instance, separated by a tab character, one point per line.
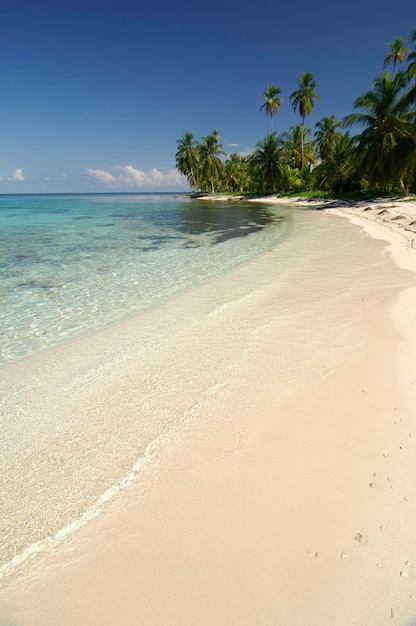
95	94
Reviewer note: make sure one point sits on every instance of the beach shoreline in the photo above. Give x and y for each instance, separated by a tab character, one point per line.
289	500
391	219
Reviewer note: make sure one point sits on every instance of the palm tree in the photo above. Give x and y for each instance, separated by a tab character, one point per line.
303	98
326	136
339	167
271	102
297	146
291	178
388	141
187	158
211	166
236	172
412	56
268	162
397	53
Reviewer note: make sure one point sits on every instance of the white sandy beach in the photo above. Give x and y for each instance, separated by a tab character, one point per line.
290	499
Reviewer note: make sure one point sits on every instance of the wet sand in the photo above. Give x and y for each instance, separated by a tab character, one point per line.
289	497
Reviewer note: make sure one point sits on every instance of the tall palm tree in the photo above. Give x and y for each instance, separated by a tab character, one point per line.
271	102
187	158
211	165
326	135
303	98
297	146
397	53
388	141
267	160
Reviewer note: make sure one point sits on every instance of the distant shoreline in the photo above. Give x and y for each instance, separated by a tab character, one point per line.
392	219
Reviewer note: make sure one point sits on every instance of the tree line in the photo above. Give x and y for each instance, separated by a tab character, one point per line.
381	158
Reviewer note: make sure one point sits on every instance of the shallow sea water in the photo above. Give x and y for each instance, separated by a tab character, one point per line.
86	418
92	364
73	263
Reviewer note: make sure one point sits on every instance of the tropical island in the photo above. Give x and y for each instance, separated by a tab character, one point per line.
381	159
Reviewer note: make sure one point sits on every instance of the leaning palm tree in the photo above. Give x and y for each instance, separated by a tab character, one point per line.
303	98
326	135
187	158
211	166
388	142
271	102
397	54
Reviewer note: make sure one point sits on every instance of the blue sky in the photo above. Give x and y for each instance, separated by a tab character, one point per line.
95	94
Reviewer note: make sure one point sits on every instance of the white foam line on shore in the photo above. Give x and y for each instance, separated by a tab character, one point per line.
109	494
88	515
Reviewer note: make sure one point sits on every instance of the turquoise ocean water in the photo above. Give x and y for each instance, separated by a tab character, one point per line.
73	263
112	338
125	321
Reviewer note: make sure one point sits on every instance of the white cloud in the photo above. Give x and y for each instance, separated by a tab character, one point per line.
232	145
156	177
133	177
103	176
246	152
18	174
173	177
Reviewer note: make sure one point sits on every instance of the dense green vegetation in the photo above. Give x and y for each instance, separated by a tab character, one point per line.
379	159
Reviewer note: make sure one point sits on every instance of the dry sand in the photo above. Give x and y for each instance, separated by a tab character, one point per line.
301	509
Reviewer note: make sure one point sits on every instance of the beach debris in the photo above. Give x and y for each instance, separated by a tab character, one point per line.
381	527
371	484
360	538
412	596
411	434
404	574
408	563
379	565
406	498
385	454
344	555
376	475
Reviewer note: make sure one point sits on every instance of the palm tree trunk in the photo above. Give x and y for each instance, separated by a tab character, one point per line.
301	139
403	187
